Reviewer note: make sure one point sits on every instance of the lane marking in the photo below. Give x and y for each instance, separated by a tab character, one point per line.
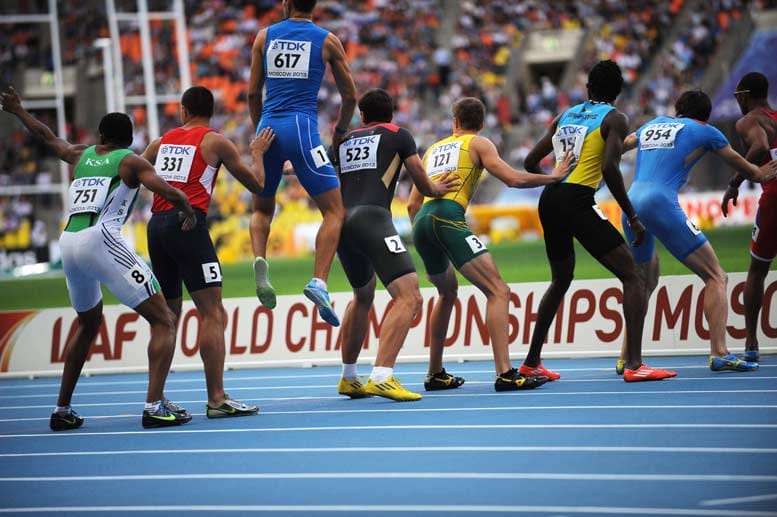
555	476
371	428
404	509
738	500
447	449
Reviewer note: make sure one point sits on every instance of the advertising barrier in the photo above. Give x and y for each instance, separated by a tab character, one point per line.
589	323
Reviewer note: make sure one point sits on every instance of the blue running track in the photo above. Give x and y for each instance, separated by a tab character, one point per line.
701	444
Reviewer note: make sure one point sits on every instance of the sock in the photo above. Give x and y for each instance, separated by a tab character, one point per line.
380	374
349	371
63	410
152	406
320	283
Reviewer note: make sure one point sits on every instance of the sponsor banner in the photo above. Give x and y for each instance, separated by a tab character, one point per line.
589	322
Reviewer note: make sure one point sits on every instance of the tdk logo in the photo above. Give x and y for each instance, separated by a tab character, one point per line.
292	46
365	140
176	150
447	147
571	130
91	182
97	163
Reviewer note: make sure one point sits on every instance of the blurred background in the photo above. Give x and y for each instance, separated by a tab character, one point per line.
72	61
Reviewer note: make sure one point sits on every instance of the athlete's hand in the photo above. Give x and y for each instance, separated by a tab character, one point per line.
562	168
262	142
639	230
188	219
768	171
731	195
447	183
10	100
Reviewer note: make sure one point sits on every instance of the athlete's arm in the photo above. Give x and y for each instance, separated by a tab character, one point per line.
541	149
140	170
334	54
427	187
256	78
227	154
745	168
414	203
151	151
616	126
64	150
630	143
483	152
757	143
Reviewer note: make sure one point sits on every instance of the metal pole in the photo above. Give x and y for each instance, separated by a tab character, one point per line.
64	173
110	93
182	45
148	71
113	27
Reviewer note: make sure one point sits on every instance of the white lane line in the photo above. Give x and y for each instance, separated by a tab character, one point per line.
88	381
402	509
371	428
738	500
618	407
558	476
446	449
454	394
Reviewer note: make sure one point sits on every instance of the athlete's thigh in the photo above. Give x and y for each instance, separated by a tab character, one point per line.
670	225
558	239
372	228
355	263
196	256
763	246
163	264
645	251
309	157
427	245
591	228
273	159
122	271
83	287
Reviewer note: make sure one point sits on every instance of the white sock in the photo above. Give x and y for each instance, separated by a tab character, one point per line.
153	406
320	283
349	371
63	410
380	374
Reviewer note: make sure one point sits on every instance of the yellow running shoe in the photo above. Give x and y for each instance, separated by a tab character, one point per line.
620	366
353	388
391	389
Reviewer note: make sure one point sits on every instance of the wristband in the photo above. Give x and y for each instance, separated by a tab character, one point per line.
633	218
339	131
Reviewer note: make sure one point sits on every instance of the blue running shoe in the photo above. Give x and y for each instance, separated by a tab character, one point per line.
732	363
752	356
321	298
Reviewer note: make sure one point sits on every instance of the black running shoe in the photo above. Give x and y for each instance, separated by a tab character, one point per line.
512	381
163	417
230	408
442	381
65	421
175	408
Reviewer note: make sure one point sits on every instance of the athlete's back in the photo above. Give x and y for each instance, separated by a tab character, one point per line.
293	67
668	148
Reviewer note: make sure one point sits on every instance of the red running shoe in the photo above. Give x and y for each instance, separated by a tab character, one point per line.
646	373
539	370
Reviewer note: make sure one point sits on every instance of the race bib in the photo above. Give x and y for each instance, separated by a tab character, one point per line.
475	244
288	59
136	275
773	152
211	272
87	195
659	136
174	162
320	158
395	244
569	138
443	158
359	153
599	212
694	229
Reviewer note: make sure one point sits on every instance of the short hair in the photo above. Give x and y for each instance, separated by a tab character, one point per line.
470	112
305	6
377	106
605	80
694	104
756	84
116	129
198	101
